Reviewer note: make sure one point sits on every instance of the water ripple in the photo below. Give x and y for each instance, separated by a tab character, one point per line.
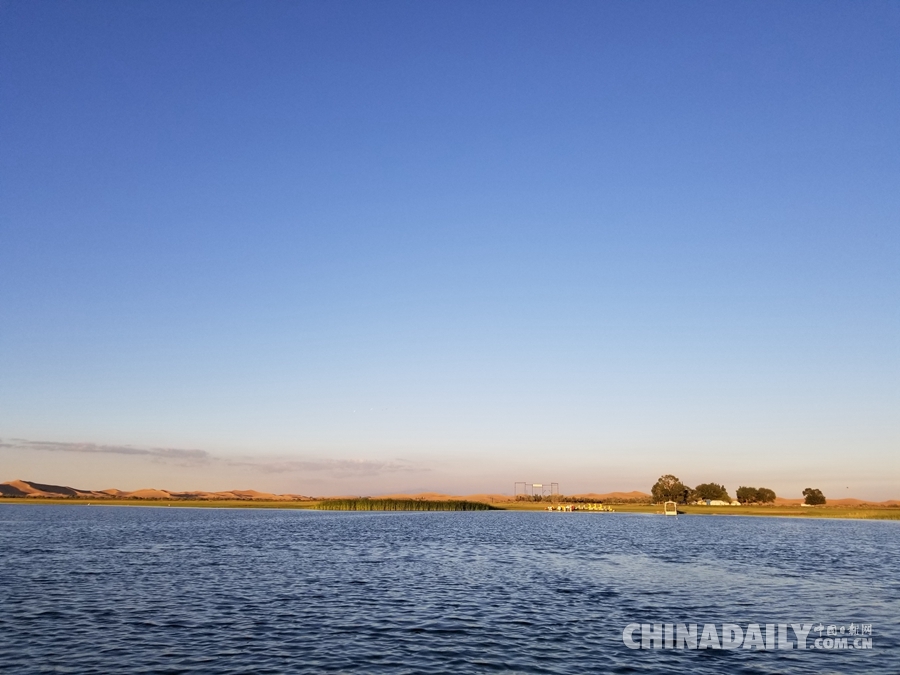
162	590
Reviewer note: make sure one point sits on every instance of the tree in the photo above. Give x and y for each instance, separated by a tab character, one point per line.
765	496
711	491
752	495
814	496
670	489
746	495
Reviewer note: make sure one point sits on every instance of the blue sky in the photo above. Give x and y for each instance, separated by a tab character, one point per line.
349	247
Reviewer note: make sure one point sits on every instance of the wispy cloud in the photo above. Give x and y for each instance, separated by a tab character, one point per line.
335	467
179	455
338	468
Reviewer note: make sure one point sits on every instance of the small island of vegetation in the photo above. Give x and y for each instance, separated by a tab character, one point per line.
366	504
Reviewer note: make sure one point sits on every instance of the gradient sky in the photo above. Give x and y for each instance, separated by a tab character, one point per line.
361	247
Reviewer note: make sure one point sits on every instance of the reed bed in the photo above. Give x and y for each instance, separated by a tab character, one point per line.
401	505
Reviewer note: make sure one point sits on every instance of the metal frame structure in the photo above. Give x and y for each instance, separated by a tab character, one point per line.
536	489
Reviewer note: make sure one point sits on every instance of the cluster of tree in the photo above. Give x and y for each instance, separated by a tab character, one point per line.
752	495
669	488
813	497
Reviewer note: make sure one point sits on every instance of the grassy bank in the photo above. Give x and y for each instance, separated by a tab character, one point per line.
854	512
862	512
400	505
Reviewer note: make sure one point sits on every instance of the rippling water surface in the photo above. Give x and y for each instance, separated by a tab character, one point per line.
172	590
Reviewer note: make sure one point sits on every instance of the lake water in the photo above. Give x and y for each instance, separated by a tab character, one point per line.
173	590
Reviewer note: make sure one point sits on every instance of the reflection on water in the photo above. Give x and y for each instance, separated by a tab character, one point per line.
173	590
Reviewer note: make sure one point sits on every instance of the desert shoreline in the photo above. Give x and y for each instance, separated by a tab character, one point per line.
860	512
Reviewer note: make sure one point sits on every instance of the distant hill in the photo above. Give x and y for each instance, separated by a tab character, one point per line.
30	489
27	488
633	496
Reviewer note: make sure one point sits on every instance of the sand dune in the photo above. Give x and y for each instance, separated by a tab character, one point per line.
427	496
253	494
30	489
112	492
149	493
614	496
26	488
18	488
487	498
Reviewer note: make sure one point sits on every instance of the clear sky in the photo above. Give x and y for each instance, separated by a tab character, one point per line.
358	247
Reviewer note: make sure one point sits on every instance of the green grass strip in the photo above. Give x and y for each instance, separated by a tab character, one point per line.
401	505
